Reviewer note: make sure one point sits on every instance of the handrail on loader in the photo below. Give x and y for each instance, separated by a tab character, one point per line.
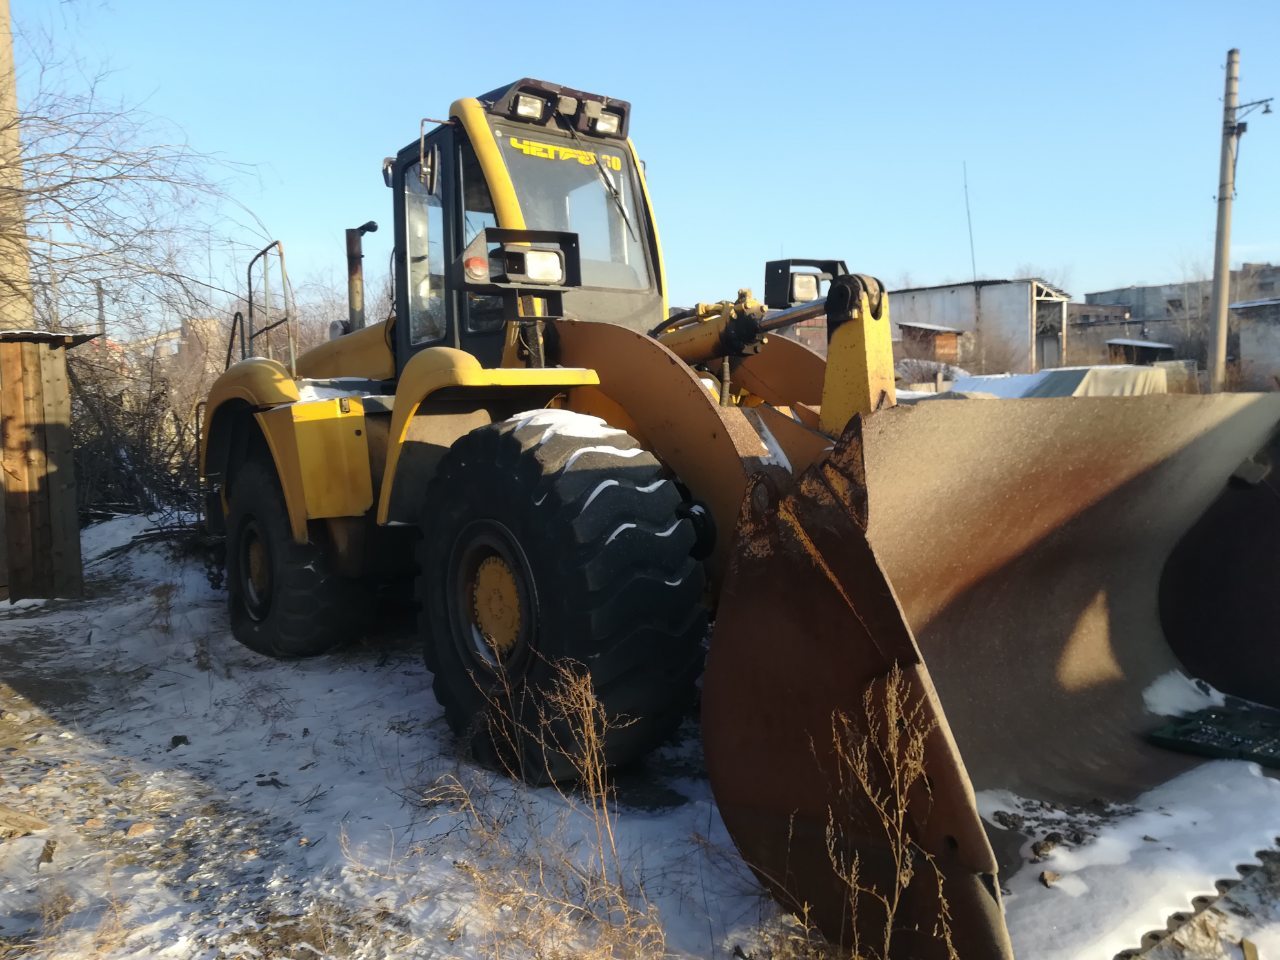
239	320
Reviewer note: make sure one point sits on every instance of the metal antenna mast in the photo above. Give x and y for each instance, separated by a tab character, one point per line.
973	263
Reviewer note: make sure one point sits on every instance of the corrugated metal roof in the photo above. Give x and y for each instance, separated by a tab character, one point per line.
970	283
45	336
984	283
1246	304
1121	342
1046	284
932	327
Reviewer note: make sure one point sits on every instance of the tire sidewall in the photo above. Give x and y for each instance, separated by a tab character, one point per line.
255	500
312	609
497	498
629	614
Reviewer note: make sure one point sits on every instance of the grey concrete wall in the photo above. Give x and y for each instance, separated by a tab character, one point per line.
1006	333
1259	355
1152	302
996	319
1259	329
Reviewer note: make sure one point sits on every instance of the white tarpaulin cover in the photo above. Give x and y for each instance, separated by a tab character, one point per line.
1106	381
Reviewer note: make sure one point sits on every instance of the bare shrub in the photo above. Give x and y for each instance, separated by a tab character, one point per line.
985	353
878	770
134	441
72	926
553	885
883	766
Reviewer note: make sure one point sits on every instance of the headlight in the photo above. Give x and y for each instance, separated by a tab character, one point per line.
804	287
608	123
530	107
544	266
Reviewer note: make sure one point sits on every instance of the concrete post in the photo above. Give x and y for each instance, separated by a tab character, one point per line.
1222	243
15	256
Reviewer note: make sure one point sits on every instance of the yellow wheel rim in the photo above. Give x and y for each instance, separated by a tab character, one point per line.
495	604
257	573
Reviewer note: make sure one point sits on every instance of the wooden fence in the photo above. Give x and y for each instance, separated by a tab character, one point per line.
40	548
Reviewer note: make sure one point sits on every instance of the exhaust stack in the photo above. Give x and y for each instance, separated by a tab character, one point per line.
355	273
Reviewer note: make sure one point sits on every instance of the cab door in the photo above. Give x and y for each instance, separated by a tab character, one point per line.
444	203
482	328
425	245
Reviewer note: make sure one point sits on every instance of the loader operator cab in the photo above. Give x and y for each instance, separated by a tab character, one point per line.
533	156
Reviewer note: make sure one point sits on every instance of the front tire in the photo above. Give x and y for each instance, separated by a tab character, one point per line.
283	598
550	539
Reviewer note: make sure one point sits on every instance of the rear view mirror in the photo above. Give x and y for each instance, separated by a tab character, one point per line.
427	159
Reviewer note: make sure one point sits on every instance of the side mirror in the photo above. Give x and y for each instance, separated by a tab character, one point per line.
427	162
785	287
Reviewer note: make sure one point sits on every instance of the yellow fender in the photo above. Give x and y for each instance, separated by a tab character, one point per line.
257	381
321	453
319	448
442	368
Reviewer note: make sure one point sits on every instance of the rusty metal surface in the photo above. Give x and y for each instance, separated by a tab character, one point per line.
782	373
1024	541
806	624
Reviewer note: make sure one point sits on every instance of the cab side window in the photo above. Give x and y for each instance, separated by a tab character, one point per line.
424	228
483	313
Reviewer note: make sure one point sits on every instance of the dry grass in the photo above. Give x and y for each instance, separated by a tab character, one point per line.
323	929
548	879
163	595
71	928
883	767
878	772
551	880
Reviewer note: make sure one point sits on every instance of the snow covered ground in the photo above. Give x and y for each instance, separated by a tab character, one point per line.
1138	865
196	800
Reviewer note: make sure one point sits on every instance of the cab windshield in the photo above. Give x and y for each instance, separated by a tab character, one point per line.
561	185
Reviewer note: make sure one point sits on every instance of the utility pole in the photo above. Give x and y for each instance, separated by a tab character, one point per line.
15	257
1222	241
1232	131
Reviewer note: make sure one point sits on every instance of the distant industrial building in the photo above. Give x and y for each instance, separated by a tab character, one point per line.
1189	300
927	341
1138	352
1158	302
995	326
1092	325
1258	325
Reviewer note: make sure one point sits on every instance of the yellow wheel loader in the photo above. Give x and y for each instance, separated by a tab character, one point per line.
576	474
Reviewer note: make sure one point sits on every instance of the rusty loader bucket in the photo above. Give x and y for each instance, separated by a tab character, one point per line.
975	594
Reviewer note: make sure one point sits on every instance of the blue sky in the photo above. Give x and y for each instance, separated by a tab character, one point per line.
808	130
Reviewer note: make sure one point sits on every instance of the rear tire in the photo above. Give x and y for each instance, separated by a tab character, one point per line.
551	538
283	597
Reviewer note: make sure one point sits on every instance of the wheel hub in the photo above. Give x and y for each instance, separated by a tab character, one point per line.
256	575
495	604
